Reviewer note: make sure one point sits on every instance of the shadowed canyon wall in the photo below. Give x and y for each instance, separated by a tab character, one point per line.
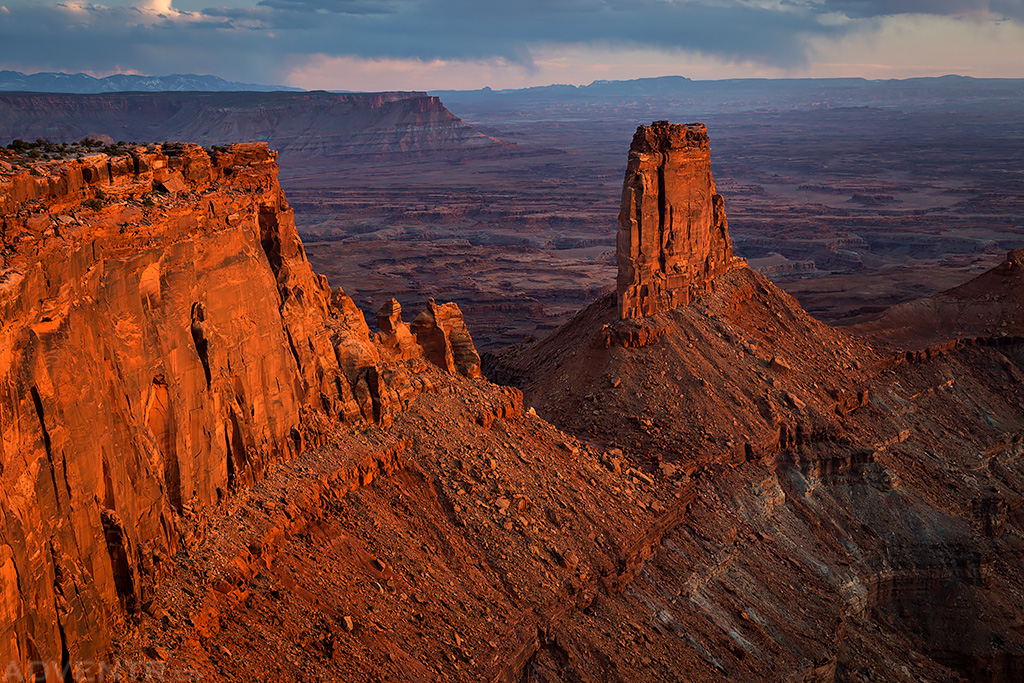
303	127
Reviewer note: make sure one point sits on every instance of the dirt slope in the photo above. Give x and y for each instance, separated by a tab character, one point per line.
871	537
855	513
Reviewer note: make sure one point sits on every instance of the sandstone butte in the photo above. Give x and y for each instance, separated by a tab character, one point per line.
160	350
211	464
673	239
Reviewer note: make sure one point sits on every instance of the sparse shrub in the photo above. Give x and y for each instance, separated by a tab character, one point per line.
94	204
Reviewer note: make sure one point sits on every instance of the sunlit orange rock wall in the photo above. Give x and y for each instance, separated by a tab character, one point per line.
673	238
155	352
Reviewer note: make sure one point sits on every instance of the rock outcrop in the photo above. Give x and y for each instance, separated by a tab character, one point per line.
164	342
446	342
438	334
395	334
882	483
673	238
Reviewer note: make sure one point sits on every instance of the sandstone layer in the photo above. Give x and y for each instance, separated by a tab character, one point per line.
673	238
844	507
305	128
164	344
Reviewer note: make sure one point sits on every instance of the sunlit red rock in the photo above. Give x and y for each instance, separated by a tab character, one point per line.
673	238
164	344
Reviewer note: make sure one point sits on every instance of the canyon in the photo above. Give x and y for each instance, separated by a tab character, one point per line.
214	468
851	195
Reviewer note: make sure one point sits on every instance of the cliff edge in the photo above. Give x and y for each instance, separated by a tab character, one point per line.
164	343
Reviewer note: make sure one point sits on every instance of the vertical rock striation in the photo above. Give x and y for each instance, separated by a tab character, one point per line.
163	341
673	238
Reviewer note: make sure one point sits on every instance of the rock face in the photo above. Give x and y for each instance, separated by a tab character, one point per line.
988	306
159	349
673	238
303	127
446	343
788	435
395	334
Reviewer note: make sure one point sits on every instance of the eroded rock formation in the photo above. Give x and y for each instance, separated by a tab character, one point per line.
394	334
446	342
164	342
673	238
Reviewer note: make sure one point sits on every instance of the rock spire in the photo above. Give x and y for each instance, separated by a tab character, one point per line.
673	238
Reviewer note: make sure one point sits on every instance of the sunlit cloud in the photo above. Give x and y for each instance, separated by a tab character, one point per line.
566	64
915	45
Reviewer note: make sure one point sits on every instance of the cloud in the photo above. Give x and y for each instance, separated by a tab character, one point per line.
269	40
982	9
331	6
911	45
576	64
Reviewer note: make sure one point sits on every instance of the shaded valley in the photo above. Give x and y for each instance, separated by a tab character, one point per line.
849	207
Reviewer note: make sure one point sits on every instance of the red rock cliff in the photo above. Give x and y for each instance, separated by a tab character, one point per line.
158	350
673	237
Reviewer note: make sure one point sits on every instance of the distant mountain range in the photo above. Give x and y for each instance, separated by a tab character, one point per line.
86	84
675	96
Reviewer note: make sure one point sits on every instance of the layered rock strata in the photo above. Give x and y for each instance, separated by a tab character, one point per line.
673	238
304	126
164	342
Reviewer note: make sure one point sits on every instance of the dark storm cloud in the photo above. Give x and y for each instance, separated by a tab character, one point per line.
878	8
258	42
475	29
332	6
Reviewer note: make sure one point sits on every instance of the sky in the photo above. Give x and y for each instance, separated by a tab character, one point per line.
467	44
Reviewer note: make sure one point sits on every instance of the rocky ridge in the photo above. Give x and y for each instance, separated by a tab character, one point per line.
305	128
165	344
853	500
